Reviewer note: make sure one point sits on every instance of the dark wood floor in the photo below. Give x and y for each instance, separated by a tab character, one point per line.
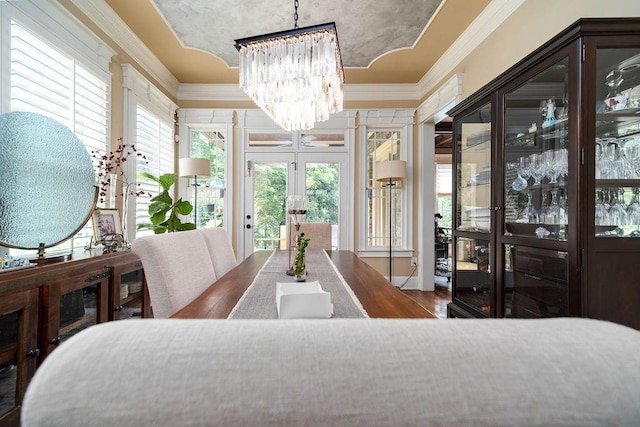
433	301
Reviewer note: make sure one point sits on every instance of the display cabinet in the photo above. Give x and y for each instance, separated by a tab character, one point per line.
42	306
128	294
18	350
547	189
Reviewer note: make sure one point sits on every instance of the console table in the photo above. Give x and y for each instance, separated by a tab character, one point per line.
42	306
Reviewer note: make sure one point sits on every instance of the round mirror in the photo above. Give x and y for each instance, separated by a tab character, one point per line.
47	182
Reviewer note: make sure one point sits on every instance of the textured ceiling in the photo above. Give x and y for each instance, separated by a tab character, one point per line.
382	41
366	28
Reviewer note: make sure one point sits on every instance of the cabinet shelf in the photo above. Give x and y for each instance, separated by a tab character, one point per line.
613	183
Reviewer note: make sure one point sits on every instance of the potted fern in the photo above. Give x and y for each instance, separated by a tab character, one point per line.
163	212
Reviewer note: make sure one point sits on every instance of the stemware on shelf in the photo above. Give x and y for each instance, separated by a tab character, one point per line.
524	173
554	215
544	209
538	167
529	214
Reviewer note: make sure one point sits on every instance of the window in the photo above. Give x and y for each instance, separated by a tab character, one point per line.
49	76
208	133
385	219
154	140
443	193
384	207
149	124
211	191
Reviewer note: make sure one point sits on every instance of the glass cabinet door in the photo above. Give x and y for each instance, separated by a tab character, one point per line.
472	258
535	153
617	143
474	171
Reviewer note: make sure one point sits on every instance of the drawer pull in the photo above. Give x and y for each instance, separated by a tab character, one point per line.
98	276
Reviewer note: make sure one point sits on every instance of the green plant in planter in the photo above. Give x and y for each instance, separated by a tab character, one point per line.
163	212
298	262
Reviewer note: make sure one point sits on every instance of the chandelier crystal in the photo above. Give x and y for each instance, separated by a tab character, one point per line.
294	76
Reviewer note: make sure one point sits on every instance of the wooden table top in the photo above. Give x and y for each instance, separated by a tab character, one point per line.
378	297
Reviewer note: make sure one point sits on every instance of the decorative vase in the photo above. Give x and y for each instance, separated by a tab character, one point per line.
113	191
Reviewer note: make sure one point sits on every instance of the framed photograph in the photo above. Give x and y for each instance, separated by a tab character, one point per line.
106	222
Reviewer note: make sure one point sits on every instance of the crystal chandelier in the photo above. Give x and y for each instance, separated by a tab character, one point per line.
294	76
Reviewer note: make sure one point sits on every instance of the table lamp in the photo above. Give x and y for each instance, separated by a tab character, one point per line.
388	172
192	167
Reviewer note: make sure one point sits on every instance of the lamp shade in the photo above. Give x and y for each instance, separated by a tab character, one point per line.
191	166
394	170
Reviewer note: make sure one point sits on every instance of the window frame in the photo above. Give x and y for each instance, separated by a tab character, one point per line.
400	120
206	119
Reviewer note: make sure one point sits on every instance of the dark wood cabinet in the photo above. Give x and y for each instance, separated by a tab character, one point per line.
547	182
42	306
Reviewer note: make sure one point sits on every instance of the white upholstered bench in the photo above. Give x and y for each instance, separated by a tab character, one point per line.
352	372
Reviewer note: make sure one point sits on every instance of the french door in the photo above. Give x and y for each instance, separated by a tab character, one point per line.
271	177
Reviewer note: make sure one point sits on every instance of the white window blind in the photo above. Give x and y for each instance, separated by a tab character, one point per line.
46	80
444	179
154	138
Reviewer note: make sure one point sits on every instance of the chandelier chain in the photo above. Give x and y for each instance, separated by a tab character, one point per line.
295	14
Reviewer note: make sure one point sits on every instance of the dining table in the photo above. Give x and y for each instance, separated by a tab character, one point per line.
377	296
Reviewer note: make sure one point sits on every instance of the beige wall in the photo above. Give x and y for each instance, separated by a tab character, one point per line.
530	26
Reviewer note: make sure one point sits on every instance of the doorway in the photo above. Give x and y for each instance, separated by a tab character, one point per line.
271	177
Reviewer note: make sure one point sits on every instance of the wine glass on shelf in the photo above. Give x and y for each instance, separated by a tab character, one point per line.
602	212
608	168
537	167
633	209
624	167
543	214
617	210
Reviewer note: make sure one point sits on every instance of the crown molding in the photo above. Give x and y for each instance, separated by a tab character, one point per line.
352	92
491	17
99	12
434	108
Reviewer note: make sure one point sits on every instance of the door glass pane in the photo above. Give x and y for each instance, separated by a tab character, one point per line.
472	273
617	144
474	180
322	182
211	191
321	140
78	311
536	282
8	361
535	149
269	204
131	295
270	140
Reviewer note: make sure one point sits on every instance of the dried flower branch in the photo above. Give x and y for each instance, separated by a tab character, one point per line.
112	163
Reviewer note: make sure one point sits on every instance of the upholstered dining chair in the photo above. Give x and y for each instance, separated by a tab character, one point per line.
177	267
319	233
220	250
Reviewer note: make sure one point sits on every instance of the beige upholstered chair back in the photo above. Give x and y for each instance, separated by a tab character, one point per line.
177	268
220	250
318	232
